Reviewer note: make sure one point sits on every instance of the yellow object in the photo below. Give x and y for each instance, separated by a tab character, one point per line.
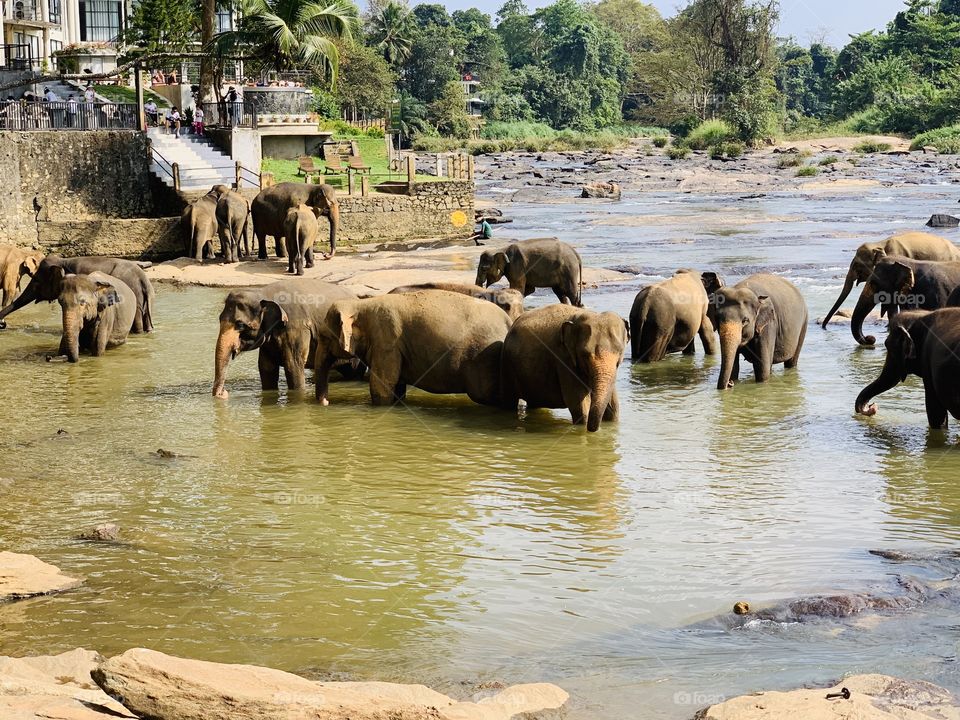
458	218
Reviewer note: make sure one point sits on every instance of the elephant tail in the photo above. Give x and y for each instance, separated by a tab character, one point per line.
579	281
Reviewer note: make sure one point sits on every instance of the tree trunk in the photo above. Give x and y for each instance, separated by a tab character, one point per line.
208	20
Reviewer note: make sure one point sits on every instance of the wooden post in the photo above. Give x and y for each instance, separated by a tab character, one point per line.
470	167
411	170
176	176
267	180
439	164
365	185
236	175
450	166
350	182
138	83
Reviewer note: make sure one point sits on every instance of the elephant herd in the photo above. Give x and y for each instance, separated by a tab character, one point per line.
478	340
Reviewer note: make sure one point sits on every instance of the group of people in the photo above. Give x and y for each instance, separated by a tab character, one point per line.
173	120
49	111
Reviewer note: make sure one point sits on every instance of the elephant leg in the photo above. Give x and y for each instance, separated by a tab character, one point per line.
707	336
308	256
735	371
763	361
384	377
139	326
613	408
936	412
269	371
576	397
101	337
399	392
294	366
281	247
792	362
689	349
261	245
562	295
321	375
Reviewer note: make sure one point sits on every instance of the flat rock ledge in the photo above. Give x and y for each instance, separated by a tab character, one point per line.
872	697
24	576
154	685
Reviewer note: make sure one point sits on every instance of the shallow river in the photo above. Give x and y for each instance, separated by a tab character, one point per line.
452	544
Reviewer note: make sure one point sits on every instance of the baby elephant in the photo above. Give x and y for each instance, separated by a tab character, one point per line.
924	343
763	318
510	301
532	264
558	356
300	230
98	311
15	262
667	316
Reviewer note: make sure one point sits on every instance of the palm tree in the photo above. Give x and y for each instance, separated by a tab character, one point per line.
292	34
391	30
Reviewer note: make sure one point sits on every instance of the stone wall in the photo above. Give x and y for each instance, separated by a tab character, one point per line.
59	176
436	209
146	238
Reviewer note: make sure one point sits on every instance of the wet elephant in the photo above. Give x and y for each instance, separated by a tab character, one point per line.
559	356
97	312
15	262
668	315
233	224
764	319
283	321
199	224
300	230
269	212
925	343
532	264
510	301
898	282
46	281
438	341
914	245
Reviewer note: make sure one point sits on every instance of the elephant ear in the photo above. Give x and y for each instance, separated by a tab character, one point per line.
878	255
626	326
711	282
764	313
902	338
905	277
568	338
106	295
29	265
340	323
500	262
272	318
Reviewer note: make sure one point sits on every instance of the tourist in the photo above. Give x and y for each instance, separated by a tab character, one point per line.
49	95
151	112
484	233
89	96
232	103
175	121
72	111
198	120
157	78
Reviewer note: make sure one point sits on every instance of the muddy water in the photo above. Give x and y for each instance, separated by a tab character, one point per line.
448	543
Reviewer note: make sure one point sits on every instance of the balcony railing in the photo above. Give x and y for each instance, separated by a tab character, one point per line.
16	57
22	115
228	114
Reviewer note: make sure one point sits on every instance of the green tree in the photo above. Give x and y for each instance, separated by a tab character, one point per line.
431	14
391	31
365	83
434	61
163	25
448	112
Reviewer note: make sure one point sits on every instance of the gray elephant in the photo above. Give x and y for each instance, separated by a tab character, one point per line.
233	224
914	245
300	229
283	320
927	344
199	224
438	341
530	264
510	301
45	285
668	315
97	311
764	319
897	282
269	211
559	356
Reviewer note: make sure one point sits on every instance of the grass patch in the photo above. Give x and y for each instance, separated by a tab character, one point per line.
789	160
807	171
812	129
121	94
677	153
829	160
505	137
661	142
726	150
708	134
946	140
871	146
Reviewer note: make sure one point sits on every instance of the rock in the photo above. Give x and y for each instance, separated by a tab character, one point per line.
741	608
57	687
897	152
169	688
108	532
930	149
609	190
24	576
872	697
939	220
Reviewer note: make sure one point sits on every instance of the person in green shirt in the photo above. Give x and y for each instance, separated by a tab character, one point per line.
485	232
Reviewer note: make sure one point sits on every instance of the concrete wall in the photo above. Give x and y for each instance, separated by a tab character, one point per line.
148	238
55	176
435	210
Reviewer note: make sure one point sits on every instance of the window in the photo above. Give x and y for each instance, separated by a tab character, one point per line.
55	45
224	20
55	11
100	20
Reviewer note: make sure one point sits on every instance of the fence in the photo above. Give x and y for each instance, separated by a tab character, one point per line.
228	114
16	57
23	115
400	178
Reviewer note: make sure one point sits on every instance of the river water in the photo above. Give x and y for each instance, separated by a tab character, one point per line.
452	544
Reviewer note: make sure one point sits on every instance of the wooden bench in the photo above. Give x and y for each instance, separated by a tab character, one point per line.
306	166
356	164
334	165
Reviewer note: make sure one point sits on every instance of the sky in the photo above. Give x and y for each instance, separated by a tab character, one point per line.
806	20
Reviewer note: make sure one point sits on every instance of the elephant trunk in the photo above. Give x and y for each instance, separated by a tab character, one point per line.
847	287
864	307
28	295
890	376
730	335
603	372
71	334
481	278
228	345
334	217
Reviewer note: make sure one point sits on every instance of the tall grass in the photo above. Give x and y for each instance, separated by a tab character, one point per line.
536	137
709	133
946	140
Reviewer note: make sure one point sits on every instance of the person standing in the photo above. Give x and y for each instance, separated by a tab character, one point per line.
150	109
232	103
88	99
198	120
175	121
72	112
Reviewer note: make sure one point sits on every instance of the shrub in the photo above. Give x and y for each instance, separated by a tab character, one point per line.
661	142
726	150
871	146
807	171
677	152
789	160
829	160
708	133
946	140
374	132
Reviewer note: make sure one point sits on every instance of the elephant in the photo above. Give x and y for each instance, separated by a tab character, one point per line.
510	301
300	230
560	356
899	281
199	224
269	211
763	318
45	284
233	224
282	320
529	264
98	311
15	262
438	341
924	343
667	316
914	245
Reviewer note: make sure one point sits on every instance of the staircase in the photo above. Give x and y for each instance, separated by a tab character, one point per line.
201	164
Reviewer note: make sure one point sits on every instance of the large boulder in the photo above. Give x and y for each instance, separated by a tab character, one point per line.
169	688
24	576
872	697
939	220
603	190
58	687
